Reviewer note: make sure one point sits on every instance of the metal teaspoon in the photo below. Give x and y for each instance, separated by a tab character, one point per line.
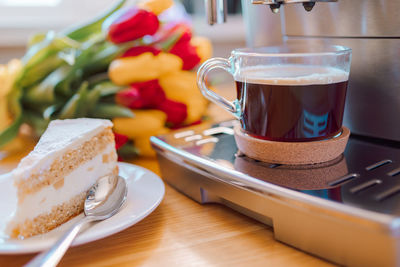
103	200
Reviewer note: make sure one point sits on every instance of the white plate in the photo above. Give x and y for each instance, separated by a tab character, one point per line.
145	192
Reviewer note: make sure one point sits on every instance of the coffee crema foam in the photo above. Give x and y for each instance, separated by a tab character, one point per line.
291	75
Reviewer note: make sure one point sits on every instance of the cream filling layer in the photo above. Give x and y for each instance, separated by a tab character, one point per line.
79	180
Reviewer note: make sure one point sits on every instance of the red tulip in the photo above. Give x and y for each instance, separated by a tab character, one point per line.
137	50
120	140
170	32
141	95
129	98
151	93
130	24
186	51
176	111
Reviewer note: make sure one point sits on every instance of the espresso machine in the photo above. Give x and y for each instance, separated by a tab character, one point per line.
347	210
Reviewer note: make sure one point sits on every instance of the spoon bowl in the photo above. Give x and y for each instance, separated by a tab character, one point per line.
105	197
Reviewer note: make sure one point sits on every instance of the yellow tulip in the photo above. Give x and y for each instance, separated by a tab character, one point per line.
144	67
181	86
8	74
145	123
203	47
168	63
123	71
195	110
143	145
156	6
5	117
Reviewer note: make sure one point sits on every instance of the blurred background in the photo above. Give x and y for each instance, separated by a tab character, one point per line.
19	19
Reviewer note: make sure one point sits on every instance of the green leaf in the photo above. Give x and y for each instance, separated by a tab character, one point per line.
107	88
42	58
82	107
38	123
10	132
83	32
36	38
105	53
36	74
75	74
100	90
128	151
68	111
109	111
97	78
92	98
171	40
52	44
74	108
102	59
44	92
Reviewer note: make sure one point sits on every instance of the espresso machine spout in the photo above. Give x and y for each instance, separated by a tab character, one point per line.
217	9
276	4
308	6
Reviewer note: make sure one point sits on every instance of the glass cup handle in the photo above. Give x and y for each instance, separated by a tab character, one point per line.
215	63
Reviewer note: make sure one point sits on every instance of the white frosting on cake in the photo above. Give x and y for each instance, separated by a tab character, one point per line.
79	180
60	136
291	75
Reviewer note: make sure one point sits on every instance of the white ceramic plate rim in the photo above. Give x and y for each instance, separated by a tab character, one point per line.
105	228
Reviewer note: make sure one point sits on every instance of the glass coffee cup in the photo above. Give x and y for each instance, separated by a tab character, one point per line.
290	93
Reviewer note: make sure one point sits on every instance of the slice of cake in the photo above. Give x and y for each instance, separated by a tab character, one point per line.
53	179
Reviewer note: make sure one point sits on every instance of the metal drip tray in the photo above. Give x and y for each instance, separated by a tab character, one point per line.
346	210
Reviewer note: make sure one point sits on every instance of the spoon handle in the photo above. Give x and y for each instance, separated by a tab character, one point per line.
53	256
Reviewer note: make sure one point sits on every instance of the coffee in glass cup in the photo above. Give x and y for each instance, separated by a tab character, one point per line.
291	93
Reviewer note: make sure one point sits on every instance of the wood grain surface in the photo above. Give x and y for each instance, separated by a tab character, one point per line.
180	232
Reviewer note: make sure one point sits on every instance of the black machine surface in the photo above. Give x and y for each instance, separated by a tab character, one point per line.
346	210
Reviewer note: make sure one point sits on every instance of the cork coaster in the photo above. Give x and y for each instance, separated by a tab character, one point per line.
294	153
298	177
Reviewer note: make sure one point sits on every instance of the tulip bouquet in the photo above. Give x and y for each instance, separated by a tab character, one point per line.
131	65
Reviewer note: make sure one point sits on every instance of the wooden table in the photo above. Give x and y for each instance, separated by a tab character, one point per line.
180	232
